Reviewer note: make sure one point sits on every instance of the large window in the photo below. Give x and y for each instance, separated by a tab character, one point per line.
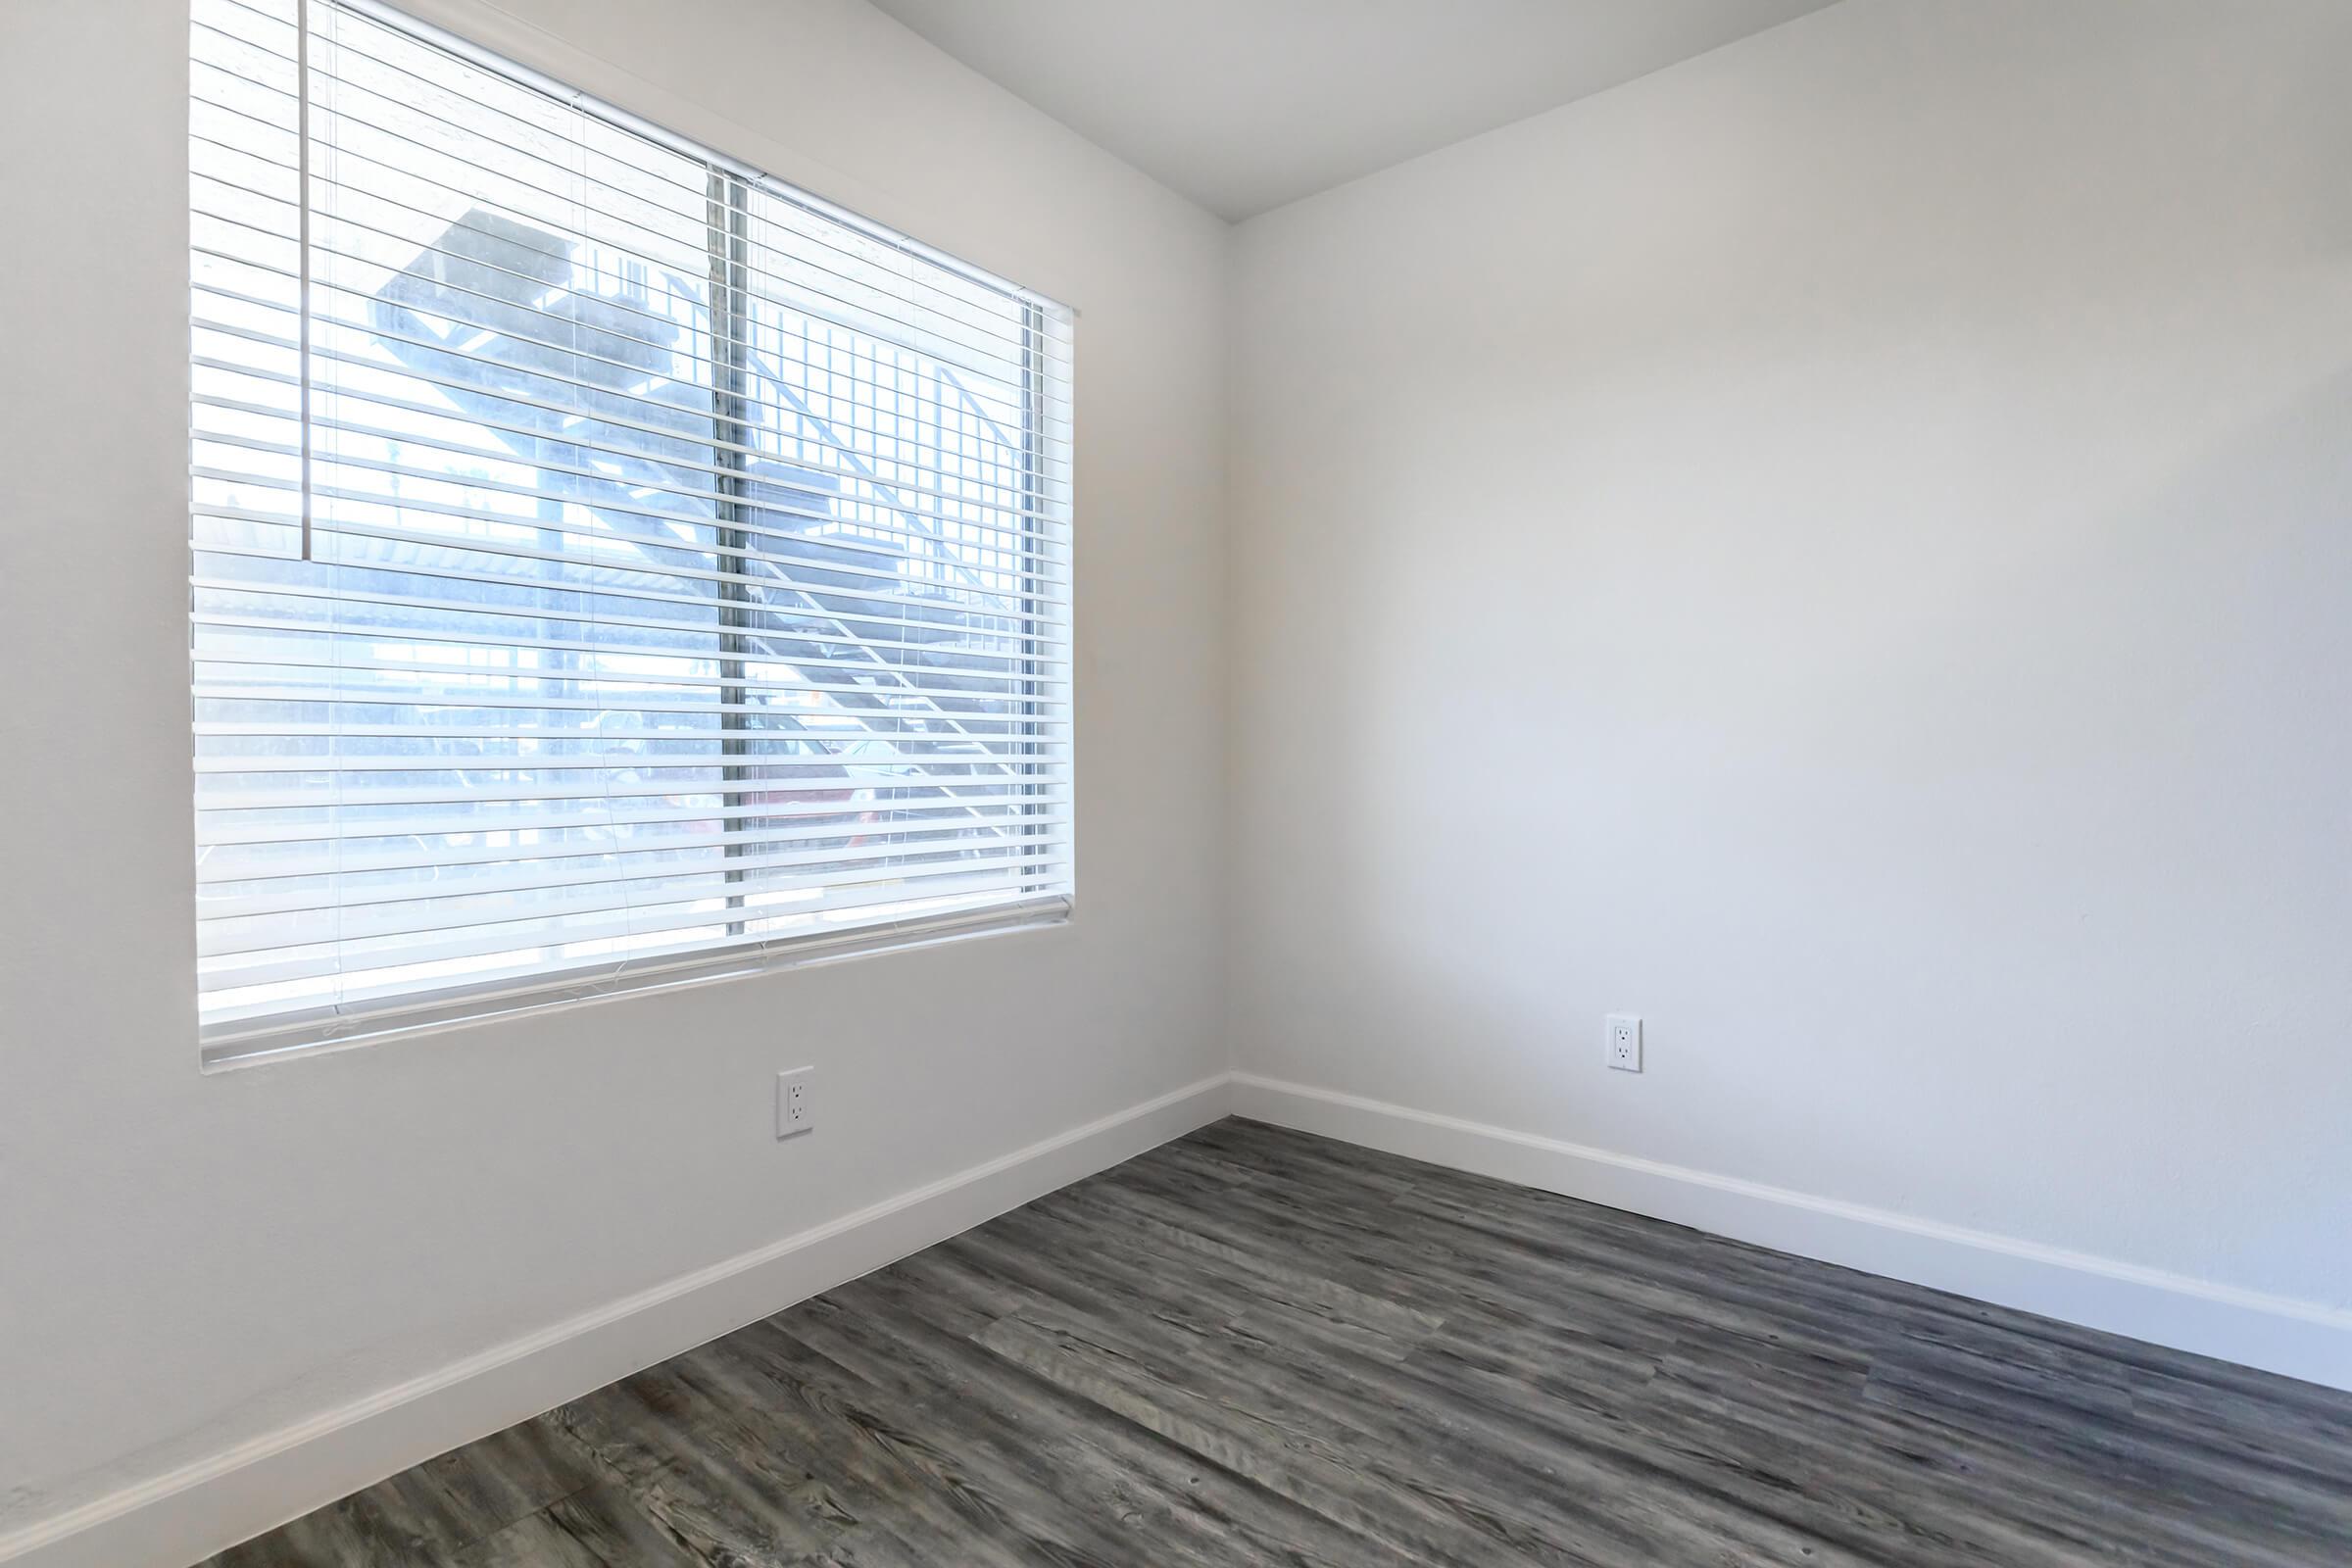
607	559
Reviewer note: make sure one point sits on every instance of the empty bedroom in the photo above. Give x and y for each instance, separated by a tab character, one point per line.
970	783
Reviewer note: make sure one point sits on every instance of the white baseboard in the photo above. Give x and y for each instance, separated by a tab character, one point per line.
184	1514
175	1518
2278	1334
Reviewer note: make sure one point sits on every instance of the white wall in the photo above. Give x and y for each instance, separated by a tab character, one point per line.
1843	546
186	1262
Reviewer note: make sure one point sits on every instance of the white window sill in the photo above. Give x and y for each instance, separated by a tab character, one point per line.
270	1042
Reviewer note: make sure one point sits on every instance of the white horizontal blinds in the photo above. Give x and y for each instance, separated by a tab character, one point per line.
687	566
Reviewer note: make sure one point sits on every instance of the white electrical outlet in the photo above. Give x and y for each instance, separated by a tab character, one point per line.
1622	1041
796	1102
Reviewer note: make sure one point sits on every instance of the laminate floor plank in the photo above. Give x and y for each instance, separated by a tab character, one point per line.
1087	1449
597	1527
432	1511
1258	1346
1297	1370
715	1480
879	1474
1034	1485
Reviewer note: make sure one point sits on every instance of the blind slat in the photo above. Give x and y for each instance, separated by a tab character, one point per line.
490	270
616	229
924	594
958	560
641	421
905	681
227	935
815	233
269	862
625	926
455	312
209	834
438	636
560	606
1013	538
536	875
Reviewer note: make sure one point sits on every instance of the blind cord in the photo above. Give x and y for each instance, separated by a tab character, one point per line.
302	243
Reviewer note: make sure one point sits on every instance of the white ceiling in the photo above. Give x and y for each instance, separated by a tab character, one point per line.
1244	104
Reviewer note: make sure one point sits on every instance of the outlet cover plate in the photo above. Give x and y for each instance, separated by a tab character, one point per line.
1621	1042
796	1102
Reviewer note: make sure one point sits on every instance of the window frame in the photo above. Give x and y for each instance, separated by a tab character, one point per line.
428	1008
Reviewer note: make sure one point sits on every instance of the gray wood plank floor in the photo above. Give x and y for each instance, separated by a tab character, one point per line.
1253	1346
